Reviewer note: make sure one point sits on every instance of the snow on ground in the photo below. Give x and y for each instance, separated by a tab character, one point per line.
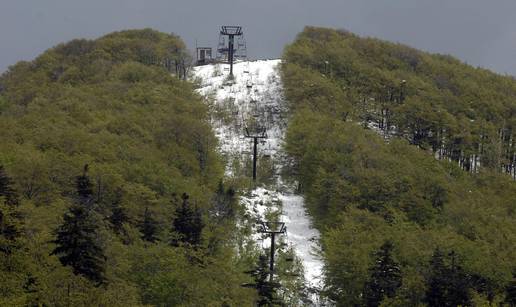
257	92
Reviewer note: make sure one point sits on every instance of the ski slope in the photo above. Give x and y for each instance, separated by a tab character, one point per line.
257	89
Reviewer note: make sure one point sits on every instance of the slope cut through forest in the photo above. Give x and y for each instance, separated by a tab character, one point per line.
255	96
125	180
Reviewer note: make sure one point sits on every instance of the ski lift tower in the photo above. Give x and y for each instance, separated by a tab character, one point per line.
255	132
272	229
229	49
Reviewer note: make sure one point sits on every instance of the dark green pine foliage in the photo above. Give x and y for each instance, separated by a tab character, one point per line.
385	277
78	246
448	284
77	240
84	188
266	289
10	218
6	189
510	291
148	227
118	215
436	292
188	223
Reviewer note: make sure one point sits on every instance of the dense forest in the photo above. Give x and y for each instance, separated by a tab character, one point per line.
407	161
111	190
437	103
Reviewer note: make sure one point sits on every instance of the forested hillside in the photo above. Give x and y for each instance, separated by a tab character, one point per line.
111	190
406	161
457	112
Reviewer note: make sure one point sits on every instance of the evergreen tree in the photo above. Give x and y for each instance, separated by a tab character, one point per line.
78	246
118	216
10	217
459	294
6	190
148	227
385	277
265	288
10	227
510	291
448	285
436	291
84	188
77	240
188	223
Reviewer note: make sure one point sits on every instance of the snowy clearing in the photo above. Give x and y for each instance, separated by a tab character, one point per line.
256	91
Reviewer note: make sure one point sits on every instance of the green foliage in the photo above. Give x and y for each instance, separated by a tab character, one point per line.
266	289
166	277
510	297
448	284
78	246
7	191
148	227
84	189
366	187
188	223
114	105
385	277
77	239
436	102
10	216
118	215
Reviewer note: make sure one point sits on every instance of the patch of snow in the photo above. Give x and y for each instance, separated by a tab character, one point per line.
257	91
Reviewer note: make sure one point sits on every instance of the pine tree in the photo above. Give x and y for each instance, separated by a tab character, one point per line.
436	291
385	277
188	223
10	217
77	240
460	283
118	216
78	246
148	227
84	188
448	284
265	288
10	227
510	291
6	189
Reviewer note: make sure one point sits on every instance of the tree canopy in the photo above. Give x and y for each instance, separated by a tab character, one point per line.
117	104
393	144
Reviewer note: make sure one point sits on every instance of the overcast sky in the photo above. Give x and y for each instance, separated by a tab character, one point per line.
480	32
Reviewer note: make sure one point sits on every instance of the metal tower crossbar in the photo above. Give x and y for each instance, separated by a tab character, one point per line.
273	229
230	32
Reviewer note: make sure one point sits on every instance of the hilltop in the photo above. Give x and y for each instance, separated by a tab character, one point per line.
406	160
125	176
153	180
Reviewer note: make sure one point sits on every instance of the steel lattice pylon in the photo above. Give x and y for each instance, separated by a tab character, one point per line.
227	50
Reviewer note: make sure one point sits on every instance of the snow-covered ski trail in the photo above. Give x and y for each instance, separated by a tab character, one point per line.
257	88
